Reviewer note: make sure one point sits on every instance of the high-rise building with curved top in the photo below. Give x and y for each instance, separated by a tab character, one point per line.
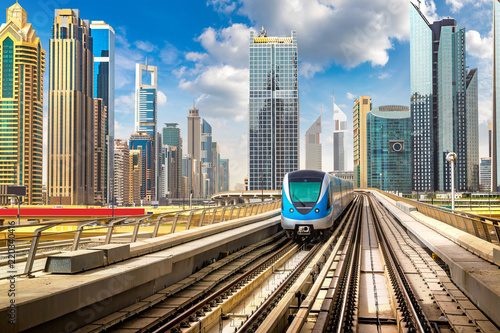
22	64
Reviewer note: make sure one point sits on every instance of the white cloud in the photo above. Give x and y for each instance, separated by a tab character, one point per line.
196	56
122	132
457	5
222	91
477	46
326	31
125	104
308	70
384	76
222	6
169	54
145	46
351	96
161	98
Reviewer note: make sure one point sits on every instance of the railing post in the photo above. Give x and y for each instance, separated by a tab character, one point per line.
213	216
239	212
33	248
157	225
78	235
231	214
245	213
486	231
136	229
111	228
174	224
222	215
202	217
497	232
189	220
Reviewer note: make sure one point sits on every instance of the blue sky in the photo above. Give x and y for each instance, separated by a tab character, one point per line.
356	47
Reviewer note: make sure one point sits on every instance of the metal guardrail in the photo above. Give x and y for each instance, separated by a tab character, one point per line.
185	220
480	226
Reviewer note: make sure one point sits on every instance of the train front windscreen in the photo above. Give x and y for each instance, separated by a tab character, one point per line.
305	190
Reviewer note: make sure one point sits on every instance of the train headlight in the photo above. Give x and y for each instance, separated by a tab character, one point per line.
317	210
291	210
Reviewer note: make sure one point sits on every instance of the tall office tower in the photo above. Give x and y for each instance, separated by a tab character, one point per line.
122	173
194	134
313	146
439	102
171	135
142	141
340	155
490	136
188	174
388	148
164	174
146	116
174	175
135	179
225	172
216	166
495	137
472	131
21	104
485	174
362	106
103	37
206	157
100	122
273	110
70	111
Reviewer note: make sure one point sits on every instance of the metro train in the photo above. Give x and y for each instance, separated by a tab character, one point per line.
312	201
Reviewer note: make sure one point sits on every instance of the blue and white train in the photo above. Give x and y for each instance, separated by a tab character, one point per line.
312	201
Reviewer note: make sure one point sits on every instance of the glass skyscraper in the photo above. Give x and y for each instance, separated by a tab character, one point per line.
339	139
172	137
273	110
206	156
439	107
495	150
104	88
388	148
313	147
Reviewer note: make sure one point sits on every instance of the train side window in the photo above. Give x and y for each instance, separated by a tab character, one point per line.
330	196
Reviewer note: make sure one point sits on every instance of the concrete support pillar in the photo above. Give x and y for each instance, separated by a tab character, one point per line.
226	201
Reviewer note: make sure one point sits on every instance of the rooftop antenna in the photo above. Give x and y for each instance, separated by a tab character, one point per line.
321	110
146	62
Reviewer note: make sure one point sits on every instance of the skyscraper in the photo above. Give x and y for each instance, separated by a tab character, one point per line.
339	139
206	157
485	174
495	149
273	110
388	148
103	37
216	166
194	133
135	179
21	104
362	106
472	131
224	162
313	146
70	111
439	103
122	173
172	137
100	121
142	141
146	117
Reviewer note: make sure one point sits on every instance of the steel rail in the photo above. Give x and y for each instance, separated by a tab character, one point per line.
419	320
247	325
185	315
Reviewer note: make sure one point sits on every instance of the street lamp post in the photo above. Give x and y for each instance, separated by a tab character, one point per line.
452	158
381	181
262	186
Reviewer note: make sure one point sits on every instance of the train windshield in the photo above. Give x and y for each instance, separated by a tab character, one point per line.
305	190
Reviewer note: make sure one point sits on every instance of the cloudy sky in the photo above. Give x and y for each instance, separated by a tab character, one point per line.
354	47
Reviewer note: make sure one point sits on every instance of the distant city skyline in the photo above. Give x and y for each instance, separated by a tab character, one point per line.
190	59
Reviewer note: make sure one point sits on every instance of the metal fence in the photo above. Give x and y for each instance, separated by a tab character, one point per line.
480	226
169	223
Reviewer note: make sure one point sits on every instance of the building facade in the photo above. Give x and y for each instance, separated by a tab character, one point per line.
224	174
472	131
439	107
388	149
145	120
171	135
194	133
143	142
273	110
135	178
22	64
313	146
362	106
103	36
100	151
70	111
340	152
122	173
207	158
485	174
